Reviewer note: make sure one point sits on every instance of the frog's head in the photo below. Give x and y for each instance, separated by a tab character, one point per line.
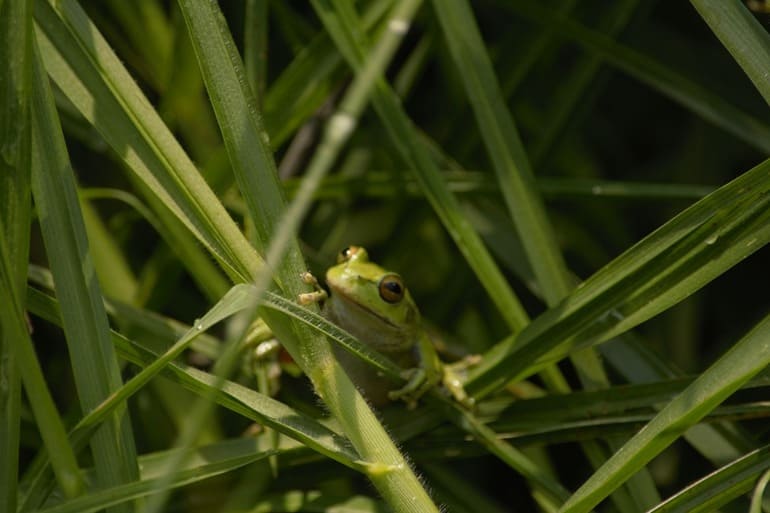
366	287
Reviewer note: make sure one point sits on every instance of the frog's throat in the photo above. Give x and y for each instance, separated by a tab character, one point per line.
371	312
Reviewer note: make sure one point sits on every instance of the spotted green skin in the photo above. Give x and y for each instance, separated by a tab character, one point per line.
392	327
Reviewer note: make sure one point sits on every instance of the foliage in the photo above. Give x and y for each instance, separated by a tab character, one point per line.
574	191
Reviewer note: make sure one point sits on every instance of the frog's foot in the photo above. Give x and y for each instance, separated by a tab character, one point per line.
317	296
418	382
455	375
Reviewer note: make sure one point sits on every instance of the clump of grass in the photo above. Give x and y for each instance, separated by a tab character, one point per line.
574	194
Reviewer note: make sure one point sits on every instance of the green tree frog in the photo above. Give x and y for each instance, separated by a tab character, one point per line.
374	305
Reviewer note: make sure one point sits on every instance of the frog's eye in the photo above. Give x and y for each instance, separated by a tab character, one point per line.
346	254
391	288
351	253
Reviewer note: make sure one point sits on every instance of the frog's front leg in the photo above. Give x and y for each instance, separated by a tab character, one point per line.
428	373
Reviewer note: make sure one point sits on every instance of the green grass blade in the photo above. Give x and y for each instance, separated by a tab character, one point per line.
255	28
240	399
743	36
720	487
200	463
16	335
115	275
689	251
668	81
744	360
580	87
247	147
514	175
205	273
15	214
92	77
93	359
758	503
235	108
504	147
405	138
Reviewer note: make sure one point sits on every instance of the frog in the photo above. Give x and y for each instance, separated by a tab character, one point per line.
374	305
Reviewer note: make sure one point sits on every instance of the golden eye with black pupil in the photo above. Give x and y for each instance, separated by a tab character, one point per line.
344	255
391	288
348	253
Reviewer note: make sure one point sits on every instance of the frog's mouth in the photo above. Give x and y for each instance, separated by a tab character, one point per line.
365	309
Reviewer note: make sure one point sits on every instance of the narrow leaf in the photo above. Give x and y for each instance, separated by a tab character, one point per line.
93	358
744	360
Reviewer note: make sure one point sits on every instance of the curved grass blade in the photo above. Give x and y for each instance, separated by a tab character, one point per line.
15	337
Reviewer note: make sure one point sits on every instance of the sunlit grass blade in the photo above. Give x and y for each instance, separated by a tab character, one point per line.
205	273
248	148
88	72
744	360
692	249
234	105
115	275
93	359
758	501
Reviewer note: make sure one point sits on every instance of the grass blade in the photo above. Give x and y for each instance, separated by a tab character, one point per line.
85	68
16	337
696	246
744	360
741	33
93	359
719	487
504	147
406	139
242	400
200	463
668	81
15	73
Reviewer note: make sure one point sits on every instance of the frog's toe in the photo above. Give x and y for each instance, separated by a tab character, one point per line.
453	380
416	386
